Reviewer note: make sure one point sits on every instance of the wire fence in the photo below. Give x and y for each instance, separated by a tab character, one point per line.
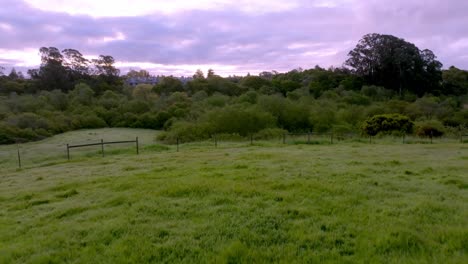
102	144
21	156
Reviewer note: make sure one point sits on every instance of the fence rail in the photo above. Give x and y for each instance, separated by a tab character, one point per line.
297	138
309	135
102	143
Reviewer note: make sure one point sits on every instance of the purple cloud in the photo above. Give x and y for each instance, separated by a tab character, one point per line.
304	34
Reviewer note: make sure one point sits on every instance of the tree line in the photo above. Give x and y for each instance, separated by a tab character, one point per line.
383	76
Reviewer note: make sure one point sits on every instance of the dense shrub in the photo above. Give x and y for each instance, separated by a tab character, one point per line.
27	120
7	134
250	97
291	116
322	117
387	123
430	128
270	133
90	121
186	132
355	98
237	119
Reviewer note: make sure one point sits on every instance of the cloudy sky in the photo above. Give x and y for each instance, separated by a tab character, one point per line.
232	37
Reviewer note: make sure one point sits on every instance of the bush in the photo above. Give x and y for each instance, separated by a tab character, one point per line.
292	116
249	97
186	132
90	121
354	98
28	120
237	119
8	134
270	133
430	128
147	120
387	124
341	129
323	117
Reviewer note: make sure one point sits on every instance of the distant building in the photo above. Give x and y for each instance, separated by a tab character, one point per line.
152	80
134	81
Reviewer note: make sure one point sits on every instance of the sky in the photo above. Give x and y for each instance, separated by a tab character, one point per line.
231	37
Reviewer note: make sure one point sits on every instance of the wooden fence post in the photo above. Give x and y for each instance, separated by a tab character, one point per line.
431	136
308	137
215	141
68	152
102	147
19	156
137	146
461	134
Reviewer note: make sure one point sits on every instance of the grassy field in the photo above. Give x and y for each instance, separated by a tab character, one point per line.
344	203
53	149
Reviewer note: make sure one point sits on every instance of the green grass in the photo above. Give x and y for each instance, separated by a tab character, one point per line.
350	202
53	149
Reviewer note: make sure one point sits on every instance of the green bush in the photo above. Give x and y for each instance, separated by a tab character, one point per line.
387	124
248	97
291	116
430	128
90	121
8	134
323	117
28	120
270	133
186	132
238	119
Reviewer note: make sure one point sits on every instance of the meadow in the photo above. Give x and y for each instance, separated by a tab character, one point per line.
351	202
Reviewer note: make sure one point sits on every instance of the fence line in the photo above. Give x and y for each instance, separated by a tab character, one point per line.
102	143
309	134
216	139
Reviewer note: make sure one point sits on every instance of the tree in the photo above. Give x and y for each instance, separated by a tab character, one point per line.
138	74
82	94
10	86
267	75
198	75
455	81
255	82
143	92
106	70
210	73
285	86
396	64
219	84
52	74
77	65
168	85
13	75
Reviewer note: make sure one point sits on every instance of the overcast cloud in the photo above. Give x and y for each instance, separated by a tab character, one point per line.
232	37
